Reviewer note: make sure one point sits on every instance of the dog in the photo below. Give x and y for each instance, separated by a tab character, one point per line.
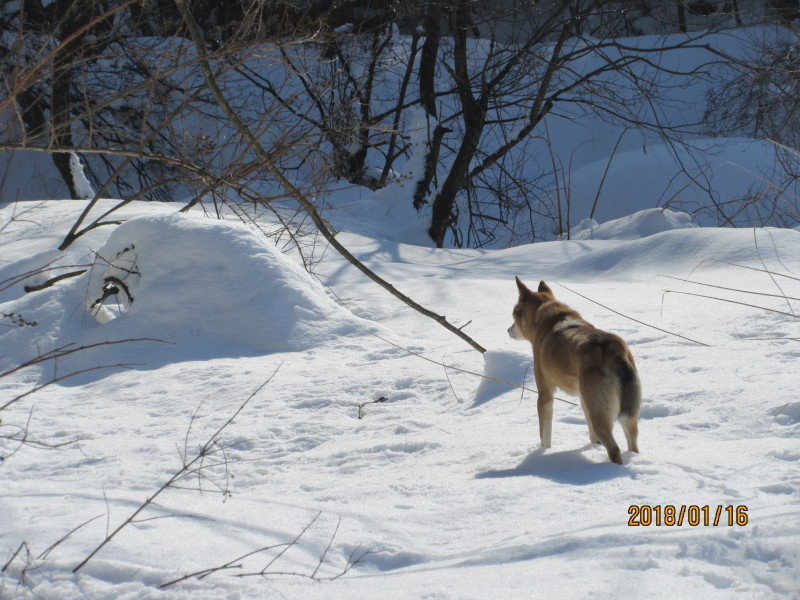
582	360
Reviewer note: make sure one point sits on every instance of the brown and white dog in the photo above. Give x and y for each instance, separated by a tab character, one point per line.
582	360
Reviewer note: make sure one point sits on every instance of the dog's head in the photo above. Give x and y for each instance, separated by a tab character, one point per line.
527	306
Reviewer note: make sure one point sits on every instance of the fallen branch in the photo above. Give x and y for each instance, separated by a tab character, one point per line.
66	350
67	376
24	552
65	537
237	563
232	564
12	281
23	546
70	348
51	282
363	404
19	435
30	561
111	287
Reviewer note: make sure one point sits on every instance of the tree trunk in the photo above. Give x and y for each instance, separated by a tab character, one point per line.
474	111
431	160
443	215
427	63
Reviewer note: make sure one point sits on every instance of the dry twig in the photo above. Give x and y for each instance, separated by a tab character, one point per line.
363	404
189	468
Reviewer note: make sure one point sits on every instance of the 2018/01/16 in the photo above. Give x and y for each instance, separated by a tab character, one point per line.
693	515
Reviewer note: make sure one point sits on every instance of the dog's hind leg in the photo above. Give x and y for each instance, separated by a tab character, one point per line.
630	426
630	403
592	437
602	428
602	407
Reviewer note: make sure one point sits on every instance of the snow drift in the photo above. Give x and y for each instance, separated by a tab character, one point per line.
213	287
631	227
190	277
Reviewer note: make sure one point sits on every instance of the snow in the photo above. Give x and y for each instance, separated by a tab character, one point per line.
441	490
639	224
443	486
714	171
209	272
82	185
389	210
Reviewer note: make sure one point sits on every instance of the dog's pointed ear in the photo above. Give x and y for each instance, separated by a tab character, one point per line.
543	287
523	289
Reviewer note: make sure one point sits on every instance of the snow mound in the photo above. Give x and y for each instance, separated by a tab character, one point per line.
386	214
502	366
673	253
183	277
789	414
719	170
633	227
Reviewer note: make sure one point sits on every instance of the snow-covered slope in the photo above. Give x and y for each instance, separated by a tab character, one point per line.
439	491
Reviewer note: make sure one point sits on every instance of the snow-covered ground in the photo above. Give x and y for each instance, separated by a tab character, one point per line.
442	490
308	487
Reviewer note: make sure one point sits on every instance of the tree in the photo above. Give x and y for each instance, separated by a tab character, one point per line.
504	87
341	91
83	29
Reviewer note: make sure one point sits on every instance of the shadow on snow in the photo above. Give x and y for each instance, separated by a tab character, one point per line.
570	467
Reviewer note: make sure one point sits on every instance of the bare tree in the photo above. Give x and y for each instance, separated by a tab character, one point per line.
503	90
339	92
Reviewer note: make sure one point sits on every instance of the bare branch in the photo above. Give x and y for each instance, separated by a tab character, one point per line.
295	193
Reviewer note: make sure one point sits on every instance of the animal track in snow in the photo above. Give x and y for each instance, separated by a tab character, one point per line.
658	411
778	488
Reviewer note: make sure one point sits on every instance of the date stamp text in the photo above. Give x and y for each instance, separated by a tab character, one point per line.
670	515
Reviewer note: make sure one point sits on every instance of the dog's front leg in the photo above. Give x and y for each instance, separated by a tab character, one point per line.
544	406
